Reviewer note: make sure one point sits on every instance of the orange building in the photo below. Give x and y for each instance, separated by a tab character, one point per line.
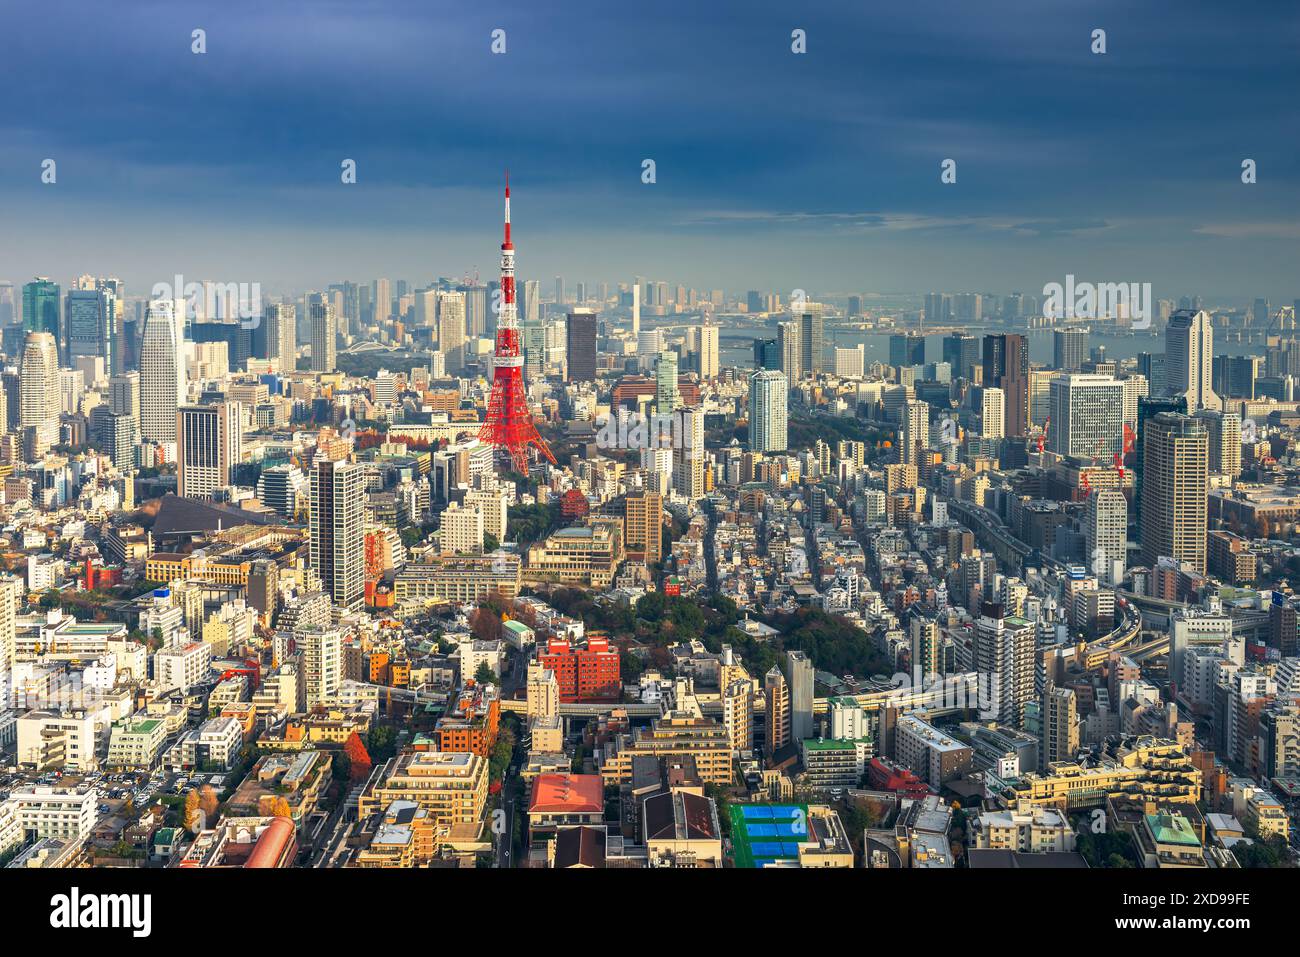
472	719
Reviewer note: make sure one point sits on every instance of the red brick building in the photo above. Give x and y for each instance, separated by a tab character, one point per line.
584	673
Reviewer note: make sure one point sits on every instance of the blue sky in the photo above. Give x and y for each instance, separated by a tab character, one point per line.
775	170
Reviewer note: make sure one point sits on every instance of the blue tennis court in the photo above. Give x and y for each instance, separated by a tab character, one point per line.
782	830
773	850
756	812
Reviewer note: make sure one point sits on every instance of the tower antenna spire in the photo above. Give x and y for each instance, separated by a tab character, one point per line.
508	424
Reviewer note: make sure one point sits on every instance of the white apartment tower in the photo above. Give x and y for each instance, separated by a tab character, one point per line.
162	371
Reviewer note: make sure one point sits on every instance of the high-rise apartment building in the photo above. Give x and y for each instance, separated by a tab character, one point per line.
768	398
800	681
993	413
337	529
643	525
914	436
281	322
581	346
39	400
324	333
1060	726
688	457
1175	483
1005	659
162	373
776	694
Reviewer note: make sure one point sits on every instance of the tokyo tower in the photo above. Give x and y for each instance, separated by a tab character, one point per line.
509	425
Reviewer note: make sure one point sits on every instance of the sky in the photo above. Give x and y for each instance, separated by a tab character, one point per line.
773	170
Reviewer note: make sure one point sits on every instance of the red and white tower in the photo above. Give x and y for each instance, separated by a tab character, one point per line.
509	424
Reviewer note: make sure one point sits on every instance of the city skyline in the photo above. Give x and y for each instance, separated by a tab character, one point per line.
165	165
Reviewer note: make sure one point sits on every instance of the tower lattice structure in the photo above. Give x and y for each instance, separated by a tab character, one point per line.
509	425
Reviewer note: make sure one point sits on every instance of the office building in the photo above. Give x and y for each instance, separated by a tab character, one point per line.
41	307
906	349
1006	367
208	447
1087	416
581	346
1189	359
1106	534
1069	349
92	328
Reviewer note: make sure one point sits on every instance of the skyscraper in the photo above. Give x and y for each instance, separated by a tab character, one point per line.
1105	530
208	447
92	329
790	350
581	341
688	458
906	349
452	329
1087	416
39	400
1069	349
667	398
768	398
1224	430
281	321
1006	367
800	667
162	373
324	332
708	351
962	353
914	436
1189	359
1060	726
812	346
1175	483
337	529
993	412
41	307
1004	657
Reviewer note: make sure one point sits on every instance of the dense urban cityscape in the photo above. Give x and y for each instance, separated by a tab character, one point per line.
446	574
458	444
